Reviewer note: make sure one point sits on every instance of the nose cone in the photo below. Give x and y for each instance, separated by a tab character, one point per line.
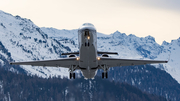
87	26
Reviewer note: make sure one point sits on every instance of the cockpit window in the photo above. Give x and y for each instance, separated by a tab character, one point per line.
88	24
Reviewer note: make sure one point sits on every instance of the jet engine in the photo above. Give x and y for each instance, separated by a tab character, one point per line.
72	55
105	55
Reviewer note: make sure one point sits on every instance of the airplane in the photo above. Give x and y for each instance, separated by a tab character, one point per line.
87	59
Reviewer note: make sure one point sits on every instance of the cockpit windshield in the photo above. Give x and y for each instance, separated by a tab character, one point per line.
88	24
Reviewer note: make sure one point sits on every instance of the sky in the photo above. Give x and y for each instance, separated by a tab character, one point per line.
158	18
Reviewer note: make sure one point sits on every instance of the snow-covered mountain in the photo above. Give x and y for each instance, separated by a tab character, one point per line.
26	41
130	46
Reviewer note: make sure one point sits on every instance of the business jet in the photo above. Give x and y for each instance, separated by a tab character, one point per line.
87	59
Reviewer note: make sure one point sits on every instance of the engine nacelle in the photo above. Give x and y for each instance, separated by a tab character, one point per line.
72	55
105	55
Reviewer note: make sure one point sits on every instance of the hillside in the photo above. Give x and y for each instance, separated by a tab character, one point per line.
20	87
22	40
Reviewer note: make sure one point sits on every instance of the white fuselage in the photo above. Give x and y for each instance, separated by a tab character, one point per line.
88	50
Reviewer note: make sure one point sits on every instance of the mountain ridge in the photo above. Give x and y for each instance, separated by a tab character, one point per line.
25	42
134	47
128	46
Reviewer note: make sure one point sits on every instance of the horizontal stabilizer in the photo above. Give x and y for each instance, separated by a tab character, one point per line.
70	53
107	53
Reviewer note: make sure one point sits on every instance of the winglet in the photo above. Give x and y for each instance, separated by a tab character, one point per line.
168	58
10	62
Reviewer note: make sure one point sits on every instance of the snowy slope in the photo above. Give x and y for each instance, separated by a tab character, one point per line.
26	41
173	66
130	46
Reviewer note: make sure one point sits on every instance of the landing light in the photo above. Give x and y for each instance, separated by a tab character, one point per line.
98	58
88	37
77	58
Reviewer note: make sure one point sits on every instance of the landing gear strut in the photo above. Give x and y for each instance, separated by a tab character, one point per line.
72	69
105	73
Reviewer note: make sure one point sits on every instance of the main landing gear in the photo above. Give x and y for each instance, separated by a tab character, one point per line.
105	73
72	69
72	75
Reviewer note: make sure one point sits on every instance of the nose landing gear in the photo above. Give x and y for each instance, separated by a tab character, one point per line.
86	44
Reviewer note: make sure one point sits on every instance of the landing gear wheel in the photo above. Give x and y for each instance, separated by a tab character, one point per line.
72	68
105	69
106	74
70	75
102	75
74	75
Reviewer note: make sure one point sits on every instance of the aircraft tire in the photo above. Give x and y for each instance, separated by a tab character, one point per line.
106	74
70	75
102	75
74	75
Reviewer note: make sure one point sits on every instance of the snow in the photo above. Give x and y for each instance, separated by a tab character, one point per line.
126	46
25	41
132	81
173	65
3	54
1	62
17	43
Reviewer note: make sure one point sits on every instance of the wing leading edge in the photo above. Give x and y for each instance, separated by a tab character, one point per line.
65	62
112	62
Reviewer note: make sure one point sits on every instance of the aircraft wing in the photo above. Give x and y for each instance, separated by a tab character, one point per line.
112	62
65	62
